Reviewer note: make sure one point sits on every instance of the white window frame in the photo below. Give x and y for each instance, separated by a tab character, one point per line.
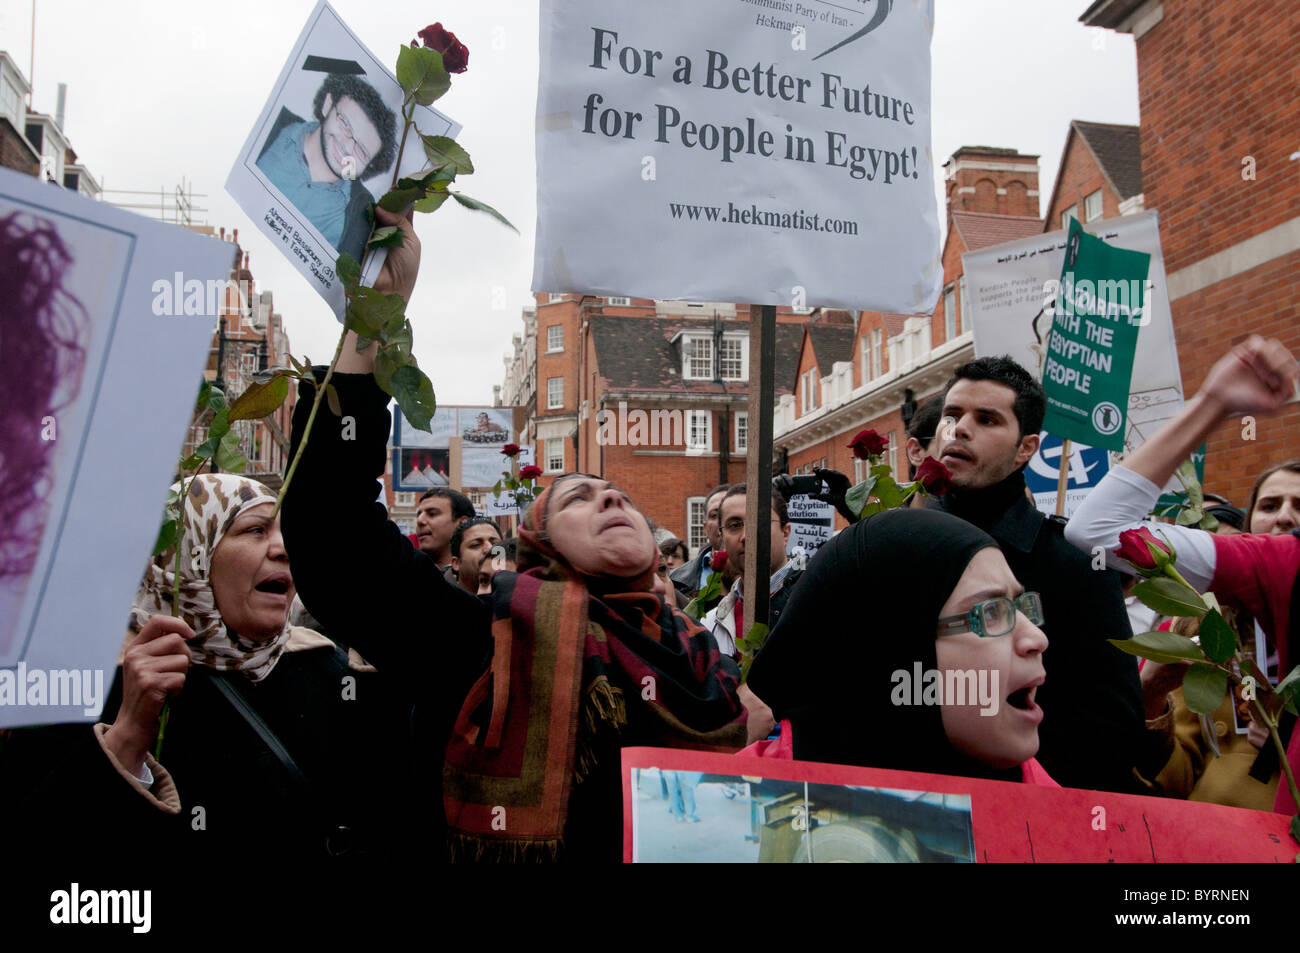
1070	213
551	446
693	419
807	391
689	344
740	432
553	347
618	302
695	527
554	395
865	357
1092	206
949	313
553	297
743	342
962	324
892	437
877	352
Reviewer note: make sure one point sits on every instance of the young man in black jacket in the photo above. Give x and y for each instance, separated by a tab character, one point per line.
1092	701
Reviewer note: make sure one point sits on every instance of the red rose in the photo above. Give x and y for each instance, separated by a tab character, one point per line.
934	476
719	560
1140	547
868	444
455	58
510	450
530	472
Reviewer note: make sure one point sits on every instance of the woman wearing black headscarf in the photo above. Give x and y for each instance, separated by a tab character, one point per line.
884	605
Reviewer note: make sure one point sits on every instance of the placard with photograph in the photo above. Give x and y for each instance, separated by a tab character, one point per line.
90	295
324	148
695	806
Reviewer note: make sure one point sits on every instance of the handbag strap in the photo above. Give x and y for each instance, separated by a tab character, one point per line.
264	732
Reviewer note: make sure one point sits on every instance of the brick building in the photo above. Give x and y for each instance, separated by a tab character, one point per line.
652	395
249	337
1217	88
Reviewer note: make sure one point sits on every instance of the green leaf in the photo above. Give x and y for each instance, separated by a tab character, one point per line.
332	398
396	340
1160	647
260	399
1190	515
431	202
447	154
407	191
166	537
220	425
302	369
414	394
349	271
1295	831
384	367
390	236
693	609
858	494
1204	688
1218	640
753	641
228	455
1288	690
887	492
192	461
369	311
478	206
496	489
421	73
1170	597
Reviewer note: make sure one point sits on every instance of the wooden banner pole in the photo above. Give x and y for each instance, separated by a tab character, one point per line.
758	467
1063	478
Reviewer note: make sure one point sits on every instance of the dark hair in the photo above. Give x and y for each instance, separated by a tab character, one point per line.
1292	465
458	534
338	85
42	355
778	502
922	426
461	507
1030	404
674	545
720	488
511	548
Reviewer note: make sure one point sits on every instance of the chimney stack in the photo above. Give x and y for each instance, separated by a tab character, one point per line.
992	179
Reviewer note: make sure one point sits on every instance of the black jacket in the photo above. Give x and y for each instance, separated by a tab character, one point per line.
1094	720
686	577
360	576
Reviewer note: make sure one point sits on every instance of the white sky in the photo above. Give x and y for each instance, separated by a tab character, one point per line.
165	89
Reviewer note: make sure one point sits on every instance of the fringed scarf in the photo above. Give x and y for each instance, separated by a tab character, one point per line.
573	675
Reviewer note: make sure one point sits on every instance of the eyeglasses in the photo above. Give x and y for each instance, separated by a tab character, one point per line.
994	617
362	152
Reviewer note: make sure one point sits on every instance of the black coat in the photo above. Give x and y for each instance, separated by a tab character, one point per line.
1094	720
238	802
360	576
686	577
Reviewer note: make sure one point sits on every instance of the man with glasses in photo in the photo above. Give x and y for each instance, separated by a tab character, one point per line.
319	166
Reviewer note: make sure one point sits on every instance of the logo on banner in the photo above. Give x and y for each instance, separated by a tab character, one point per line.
1087	465
882	10
1106	418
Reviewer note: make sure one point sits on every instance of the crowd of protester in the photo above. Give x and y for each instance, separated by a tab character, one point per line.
466	696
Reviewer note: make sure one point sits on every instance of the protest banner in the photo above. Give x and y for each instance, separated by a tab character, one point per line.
775	156
1011	292
1088	363
323	149
812	523
806	812
1084	469
462	448
99	294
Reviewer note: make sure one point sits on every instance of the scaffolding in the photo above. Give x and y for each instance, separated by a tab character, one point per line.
178	207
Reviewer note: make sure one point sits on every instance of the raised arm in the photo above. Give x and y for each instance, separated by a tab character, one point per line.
354	569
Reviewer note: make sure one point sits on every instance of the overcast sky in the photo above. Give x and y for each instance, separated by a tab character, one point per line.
160	91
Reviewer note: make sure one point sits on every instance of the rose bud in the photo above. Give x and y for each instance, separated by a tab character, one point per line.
719	560
510	450
868	444
933	476
455	57
1147	554
530	472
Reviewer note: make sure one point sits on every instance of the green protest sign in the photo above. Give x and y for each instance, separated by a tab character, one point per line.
1094	333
